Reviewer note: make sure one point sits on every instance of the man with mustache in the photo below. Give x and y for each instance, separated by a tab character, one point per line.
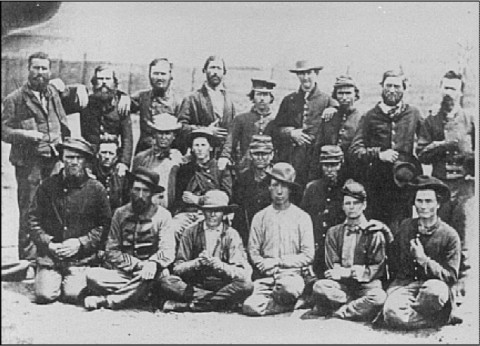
386	134
139	248
448	144
69	219
34	122
103	118
248	124
159	99
210	106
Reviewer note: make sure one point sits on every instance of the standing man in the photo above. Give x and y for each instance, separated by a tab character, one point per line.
449	143
139	248
355	258
425	262
386	135
69	219
251	188
341	127
34	122
248	124
161	98
210	106
280	247
323	201
298	120
103	119
211	264
104	170
161	158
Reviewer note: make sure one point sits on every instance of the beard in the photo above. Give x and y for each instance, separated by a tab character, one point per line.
104	93
392	99
214	80
39	83
448	103
139	205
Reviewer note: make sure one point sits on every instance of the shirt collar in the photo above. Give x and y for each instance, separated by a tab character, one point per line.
428	230
264	113
217	229
390	110
361	223
219	88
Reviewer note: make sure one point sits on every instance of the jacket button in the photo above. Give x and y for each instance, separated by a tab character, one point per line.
328	199
65	228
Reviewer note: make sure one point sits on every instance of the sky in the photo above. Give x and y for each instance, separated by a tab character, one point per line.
268	34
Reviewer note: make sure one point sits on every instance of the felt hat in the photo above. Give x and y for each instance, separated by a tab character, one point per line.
146	176
261	144
79	145
331	153
405	169
426	182
202	132
217	200
263	85
305	65
165	122
353	189
285	173
15	270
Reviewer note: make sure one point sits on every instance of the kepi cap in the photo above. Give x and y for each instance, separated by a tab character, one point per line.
331	153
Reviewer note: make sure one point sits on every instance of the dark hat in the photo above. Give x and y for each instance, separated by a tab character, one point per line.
344	80
164	122
146	176
263	85
285	173
261	144
405	169
331	153
15	270
202	132
217	200
395	73
305	65
426	182
355	190
79	145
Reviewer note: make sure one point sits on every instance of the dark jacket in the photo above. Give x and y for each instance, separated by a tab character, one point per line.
62	210
21	110
117	187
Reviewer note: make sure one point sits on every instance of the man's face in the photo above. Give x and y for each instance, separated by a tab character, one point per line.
74	163
107	154
261	160
104	87
426	204
393	90
39	74
164	139
307	79
345	96
330	170
451	92
160	76
141	196
279	192
214	73
353	207
262	100
213	218
201	149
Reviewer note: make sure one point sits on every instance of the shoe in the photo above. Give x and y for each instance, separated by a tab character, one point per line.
95	302
172	305
455	320
321	311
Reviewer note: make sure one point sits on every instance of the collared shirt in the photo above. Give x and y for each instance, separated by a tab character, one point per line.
218	99
42	99
428	230
351	238
212	238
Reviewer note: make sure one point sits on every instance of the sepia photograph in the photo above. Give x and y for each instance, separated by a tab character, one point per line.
240	172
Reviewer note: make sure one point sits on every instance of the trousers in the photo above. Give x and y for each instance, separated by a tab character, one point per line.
351	300
415	304
65	283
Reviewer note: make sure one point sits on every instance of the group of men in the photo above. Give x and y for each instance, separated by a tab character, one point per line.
248	212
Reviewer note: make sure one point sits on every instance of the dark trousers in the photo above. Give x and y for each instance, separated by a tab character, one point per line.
212	294
29	178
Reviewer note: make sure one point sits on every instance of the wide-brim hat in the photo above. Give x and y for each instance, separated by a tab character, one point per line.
405	169
164	122
202	132
217	200
305	65
426	182
79	145
146	176
16	271
285	173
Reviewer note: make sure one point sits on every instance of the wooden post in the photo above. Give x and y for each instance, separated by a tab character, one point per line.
130	77
194	70
84	69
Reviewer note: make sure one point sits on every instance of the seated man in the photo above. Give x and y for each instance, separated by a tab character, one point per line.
140	246
425	262
355	260
68	218
211	263
280	247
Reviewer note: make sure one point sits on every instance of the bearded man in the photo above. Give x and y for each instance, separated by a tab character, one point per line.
386	135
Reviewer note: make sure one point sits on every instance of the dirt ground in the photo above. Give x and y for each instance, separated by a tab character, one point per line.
23	321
